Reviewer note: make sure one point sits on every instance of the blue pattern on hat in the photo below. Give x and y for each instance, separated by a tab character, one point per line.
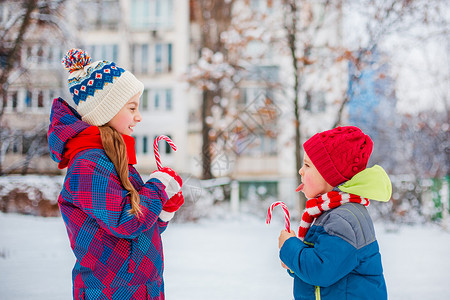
96	78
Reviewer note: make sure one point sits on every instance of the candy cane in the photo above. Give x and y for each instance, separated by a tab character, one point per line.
155	148
287	222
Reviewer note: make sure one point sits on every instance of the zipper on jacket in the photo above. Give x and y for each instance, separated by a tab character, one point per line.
317	292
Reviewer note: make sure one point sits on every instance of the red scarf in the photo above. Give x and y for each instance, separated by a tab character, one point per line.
90	139
316	206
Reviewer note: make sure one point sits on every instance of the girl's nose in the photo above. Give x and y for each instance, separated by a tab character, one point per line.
138	117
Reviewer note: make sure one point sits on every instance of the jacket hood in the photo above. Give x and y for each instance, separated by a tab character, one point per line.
65	123
372	183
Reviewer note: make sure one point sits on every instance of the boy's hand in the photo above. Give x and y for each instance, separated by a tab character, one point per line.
284	235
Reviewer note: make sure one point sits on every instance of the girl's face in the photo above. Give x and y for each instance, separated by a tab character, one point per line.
313	183
125	120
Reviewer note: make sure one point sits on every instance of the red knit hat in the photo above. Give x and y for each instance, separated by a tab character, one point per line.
339	153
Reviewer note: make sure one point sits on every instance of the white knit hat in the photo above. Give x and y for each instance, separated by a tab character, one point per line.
99	89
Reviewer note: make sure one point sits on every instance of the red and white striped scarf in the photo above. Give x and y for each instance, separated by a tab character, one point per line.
316	206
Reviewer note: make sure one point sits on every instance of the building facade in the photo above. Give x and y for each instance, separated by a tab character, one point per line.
157	41
149	38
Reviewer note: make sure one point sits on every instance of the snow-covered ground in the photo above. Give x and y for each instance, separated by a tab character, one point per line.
234	259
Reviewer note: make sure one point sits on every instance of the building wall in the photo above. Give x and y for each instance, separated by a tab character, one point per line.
168	105
120	33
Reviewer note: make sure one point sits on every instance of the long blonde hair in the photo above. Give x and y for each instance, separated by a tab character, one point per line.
116	150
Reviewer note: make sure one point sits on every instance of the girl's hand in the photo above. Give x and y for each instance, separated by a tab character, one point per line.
171	180
284	235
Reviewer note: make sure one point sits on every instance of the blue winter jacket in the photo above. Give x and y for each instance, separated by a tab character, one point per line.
339	258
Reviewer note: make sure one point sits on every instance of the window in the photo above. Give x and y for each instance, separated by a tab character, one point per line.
14	143
22	142
14	100
262	53
11	101
158	58
40	54
163	61
144	144
168	100
262	145
29	99
264	73
315	102
169	57
156	103
33	100
99	14
51	96
152	58
40	99
145	60
144	100
157	100
3	58
255	94
108	52
261	5
258	190
167	149
53	55
43	55
151	14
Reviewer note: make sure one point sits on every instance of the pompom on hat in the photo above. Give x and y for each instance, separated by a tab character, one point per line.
99	89
340	153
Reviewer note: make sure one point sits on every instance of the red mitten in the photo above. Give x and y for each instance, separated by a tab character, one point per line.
171	206
174	203
171	180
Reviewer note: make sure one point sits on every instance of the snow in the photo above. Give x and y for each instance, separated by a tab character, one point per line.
233	258
49	186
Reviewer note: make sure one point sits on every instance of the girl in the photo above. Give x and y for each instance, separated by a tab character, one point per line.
114	220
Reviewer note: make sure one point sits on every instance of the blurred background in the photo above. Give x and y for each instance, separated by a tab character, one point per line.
238	85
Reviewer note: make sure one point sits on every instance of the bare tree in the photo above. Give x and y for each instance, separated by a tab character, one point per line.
26	15
382	20
213	18
25	18
10	50
304	24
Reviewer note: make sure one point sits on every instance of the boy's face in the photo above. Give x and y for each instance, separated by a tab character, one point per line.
125	120
313	183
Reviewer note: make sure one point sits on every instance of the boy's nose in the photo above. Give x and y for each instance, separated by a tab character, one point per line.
300	171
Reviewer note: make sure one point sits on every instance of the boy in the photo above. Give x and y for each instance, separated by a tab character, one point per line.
336	255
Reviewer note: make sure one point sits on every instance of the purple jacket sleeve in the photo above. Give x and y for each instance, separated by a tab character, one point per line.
97	190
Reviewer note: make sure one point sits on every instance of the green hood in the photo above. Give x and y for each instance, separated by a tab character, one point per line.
372	183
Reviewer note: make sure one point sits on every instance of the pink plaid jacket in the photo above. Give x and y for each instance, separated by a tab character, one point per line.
117	255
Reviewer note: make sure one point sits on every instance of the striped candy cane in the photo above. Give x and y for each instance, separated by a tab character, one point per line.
155	148
287	222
